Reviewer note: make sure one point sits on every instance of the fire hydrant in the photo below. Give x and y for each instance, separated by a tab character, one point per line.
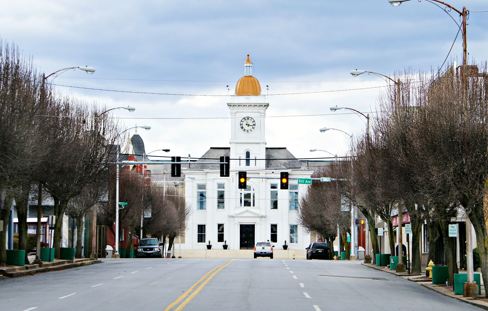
428	270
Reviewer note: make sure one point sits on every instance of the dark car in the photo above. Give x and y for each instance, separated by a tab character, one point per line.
148	247
318	250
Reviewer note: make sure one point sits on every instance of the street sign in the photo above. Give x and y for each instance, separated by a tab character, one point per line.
408	229
453	230
123	204
325	179
304	181
380	231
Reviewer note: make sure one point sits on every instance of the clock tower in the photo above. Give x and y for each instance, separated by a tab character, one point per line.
248	114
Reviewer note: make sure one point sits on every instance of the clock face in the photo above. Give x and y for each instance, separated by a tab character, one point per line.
248	124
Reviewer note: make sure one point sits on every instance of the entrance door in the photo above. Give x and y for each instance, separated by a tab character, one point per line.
247	236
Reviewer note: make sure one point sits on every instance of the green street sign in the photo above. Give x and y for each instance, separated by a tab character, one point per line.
304	181
123	204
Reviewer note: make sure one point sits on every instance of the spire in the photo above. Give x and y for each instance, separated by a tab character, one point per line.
248	66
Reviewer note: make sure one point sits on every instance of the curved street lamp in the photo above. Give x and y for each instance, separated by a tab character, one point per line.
325	129
128	108
323	150
117	186
463	13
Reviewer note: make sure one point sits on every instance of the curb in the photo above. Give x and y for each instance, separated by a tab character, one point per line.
426	285
465	300
58	267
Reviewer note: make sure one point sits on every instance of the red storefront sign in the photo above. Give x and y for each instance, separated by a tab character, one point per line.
405	219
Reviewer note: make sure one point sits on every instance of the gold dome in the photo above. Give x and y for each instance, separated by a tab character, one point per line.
248	85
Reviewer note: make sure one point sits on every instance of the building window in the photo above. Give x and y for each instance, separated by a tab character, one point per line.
201	197
274	196
247	197
293	233
220	196
248	158
220	232
201	234
274	233
293	193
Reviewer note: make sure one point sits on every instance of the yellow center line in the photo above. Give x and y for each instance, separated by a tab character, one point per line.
202	281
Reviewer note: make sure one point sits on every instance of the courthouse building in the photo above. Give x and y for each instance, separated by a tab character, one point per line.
220	212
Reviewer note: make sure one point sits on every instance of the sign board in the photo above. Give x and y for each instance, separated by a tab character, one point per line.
325	179
304	181
348	238
408	229
380	231
453	230
123	204
147	213
345	204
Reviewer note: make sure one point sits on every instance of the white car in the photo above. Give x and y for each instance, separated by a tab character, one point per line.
263	249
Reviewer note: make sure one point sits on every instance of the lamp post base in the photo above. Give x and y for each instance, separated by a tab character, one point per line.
470	289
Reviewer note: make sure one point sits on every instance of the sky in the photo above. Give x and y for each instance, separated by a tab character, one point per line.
197	47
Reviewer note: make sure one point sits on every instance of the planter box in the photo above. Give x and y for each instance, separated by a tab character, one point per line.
460	279
382	259
126	253
343	255
67	253
16	257
377	259
440	274
47	254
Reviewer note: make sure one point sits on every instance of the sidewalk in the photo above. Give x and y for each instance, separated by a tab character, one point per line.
31	269
480	301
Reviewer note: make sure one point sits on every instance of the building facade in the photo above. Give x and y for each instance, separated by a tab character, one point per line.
219	212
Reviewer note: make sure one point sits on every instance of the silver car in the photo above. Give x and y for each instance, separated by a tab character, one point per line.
149	247
263	249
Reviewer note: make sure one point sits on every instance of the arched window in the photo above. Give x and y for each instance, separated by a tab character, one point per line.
248	158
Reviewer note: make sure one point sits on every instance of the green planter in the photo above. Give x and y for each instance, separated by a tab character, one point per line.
460	279
336	254
440	274
377	259
394	262
384	260
343	255
16	257
47	254
126	253
67	253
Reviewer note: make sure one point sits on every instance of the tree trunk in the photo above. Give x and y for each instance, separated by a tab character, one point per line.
373	236
22	208
59	208
39	223
391	237
416	235
79	235
478	221
93	233
449	251
5	218
433	237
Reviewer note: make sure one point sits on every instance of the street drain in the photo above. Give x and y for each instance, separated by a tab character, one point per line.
354	277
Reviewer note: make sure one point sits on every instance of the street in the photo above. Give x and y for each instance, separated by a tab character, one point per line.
239	284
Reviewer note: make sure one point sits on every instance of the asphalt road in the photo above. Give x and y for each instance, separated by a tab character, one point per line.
240	284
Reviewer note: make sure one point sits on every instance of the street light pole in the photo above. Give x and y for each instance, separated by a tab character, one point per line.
398	86
117	186
144	155
39	189
353	210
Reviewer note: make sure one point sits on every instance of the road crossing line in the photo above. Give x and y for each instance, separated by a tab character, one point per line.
306	295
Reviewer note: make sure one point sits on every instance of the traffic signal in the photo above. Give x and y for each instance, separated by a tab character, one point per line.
224	166
175	166
242	180
284	180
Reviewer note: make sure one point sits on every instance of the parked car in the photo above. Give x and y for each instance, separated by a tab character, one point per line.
148	247
318	250
263	249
